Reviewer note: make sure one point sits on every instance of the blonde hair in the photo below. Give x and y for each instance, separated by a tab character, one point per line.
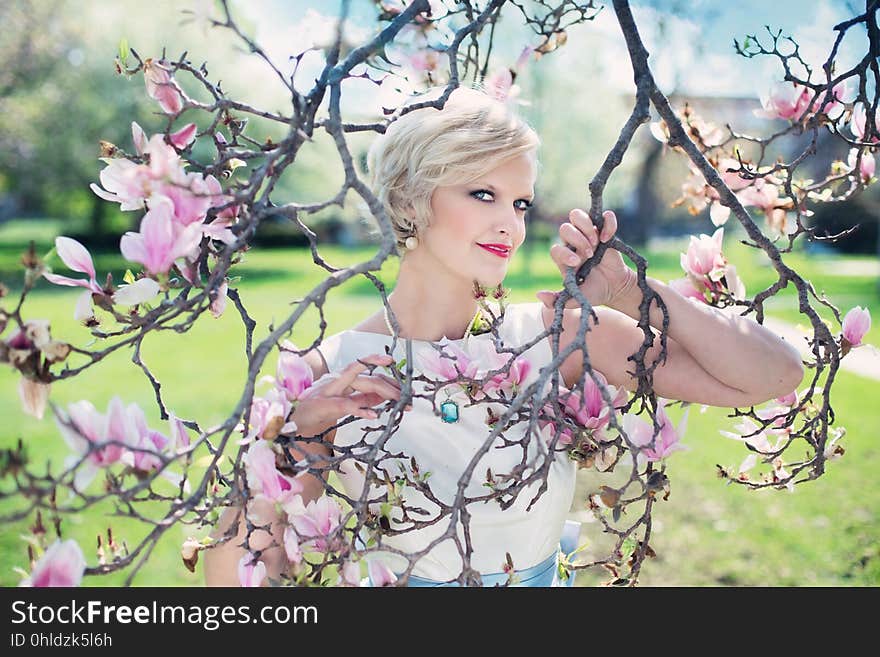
426	148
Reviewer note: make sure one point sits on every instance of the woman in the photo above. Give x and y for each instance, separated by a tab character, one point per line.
456	184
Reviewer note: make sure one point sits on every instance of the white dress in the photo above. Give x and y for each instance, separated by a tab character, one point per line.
445	449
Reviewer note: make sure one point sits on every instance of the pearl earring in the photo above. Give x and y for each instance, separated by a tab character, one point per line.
411	242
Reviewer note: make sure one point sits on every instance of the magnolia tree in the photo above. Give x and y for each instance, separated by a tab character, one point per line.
198	216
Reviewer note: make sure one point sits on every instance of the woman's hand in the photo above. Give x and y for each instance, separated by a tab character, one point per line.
606	280
348	392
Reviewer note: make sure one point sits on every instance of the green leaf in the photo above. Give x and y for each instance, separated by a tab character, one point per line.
628	547
123	51
129	277
746	43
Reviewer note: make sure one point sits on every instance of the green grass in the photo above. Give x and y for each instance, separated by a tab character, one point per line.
707	533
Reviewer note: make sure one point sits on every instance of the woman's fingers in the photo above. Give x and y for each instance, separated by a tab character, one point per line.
377	385
581	220
351	371
575	238
564	257
610	226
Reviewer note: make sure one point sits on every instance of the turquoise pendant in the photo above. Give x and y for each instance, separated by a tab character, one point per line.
449	411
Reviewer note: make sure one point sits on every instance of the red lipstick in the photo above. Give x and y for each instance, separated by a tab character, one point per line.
501	250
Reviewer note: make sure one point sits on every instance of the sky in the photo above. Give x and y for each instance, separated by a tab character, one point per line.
691	41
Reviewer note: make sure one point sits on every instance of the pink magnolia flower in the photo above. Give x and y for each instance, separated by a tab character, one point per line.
764	195
263	475
451	364
500	84
686	288
144	444
835	106
856	323
165	163
380	574
124	182
268	416
63	564
859	122
750	433
703	259
76	257
161	86
866	167
777	415
160	240
785	100
549	428
761	194
588	408
654	448
88	428
731	178
218	199
107	439
251	571
507	384
696	192
315	522
293	374
190	195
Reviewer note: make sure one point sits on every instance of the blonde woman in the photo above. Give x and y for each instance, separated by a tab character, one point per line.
456	184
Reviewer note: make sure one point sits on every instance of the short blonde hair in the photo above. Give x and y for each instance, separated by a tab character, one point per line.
426	148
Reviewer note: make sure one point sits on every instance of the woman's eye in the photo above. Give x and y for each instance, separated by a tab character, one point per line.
482	195
522	204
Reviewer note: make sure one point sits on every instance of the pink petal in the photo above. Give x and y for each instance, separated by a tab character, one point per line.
140	291
62	564
183	137
75	255
64	280
33	395
380	574
251	573
856	324
139	137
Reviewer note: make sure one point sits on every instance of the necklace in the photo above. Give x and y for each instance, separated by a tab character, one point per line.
467	332
449	411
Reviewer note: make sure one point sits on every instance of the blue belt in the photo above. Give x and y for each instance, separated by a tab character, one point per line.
540	575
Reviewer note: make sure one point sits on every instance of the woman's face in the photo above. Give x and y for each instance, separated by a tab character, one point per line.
476	227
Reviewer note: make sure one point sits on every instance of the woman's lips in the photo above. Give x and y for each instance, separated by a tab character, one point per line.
500	251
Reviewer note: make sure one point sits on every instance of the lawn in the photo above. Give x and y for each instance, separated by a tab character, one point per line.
707	533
